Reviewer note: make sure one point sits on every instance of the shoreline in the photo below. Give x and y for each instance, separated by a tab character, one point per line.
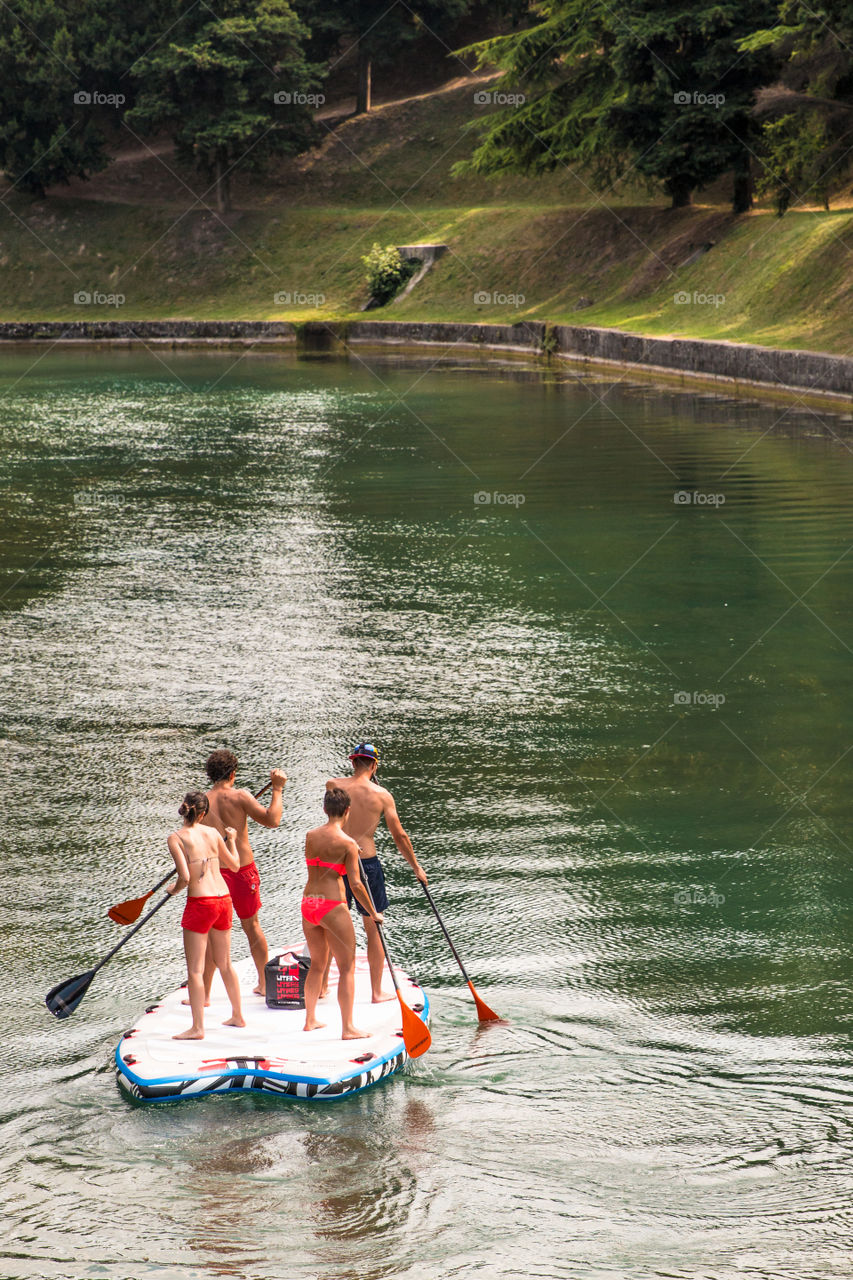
790	373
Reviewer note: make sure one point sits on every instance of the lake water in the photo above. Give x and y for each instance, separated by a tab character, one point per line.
602	634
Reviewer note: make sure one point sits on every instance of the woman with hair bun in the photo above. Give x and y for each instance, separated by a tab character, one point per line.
199	852
331	854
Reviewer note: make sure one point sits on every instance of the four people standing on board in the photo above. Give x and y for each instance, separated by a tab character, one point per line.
216	864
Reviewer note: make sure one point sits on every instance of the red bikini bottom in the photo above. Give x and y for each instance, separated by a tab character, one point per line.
314	909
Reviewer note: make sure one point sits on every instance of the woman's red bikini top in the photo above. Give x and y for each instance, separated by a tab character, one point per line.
333	866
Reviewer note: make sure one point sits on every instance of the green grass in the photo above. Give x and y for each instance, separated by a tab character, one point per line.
779	282
545	243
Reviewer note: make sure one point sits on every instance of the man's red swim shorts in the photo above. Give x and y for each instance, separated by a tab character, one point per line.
245	889
203	914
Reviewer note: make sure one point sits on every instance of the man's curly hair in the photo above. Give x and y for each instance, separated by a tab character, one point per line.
220	764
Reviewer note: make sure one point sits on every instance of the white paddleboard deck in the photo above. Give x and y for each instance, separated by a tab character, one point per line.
271	1053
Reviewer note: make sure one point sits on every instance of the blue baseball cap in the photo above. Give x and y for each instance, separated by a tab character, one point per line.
364	751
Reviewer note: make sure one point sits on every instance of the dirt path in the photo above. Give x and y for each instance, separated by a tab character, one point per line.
148	173
346	106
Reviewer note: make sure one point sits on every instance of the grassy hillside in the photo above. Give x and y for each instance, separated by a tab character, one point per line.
549	249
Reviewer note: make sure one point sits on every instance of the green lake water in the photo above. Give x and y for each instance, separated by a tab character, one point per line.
602	634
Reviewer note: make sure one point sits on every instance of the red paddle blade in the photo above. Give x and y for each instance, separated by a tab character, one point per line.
484	1013
416	1036
127	912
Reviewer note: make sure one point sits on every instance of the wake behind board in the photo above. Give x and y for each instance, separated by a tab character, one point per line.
271	1053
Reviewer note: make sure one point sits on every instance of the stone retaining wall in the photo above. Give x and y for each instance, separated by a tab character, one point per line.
811	371
805	371
145	330
528	336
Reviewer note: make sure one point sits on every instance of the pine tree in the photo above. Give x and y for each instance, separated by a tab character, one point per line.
232	87
655	88
807	115
49	132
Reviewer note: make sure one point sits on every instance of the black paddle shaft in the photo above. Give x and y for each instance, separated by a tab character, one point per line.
167	876
136	927
444	931
173	872
64	998
379	929
159	885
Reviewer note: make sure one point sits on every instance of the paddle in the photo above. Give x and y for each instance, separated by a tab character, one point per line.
484	1013
127	912
416	1036
64	998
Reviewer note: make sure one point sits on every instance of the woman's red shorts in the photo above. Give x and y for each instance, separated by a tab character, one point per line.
244	886
203	914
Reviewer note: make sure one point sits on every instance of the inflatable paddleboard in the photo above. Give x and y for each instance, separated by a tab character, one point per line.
271	1053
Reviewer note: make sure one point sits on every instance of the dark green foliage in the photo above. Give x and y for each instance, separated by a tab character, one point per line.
685	110
232	87
653	88
808	113
46	136
794	154
382	32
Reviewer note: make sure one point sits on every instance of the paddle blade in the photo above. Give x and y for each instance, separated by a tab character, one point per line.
484	1013
416	1036
127	912
64	998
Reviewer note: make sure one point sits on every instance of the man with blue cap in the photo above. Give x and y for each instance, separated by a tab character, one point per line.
369	804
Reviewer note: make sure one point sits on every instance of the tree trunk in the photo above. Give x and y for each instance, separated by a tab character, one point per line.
223	186
742	192
362	97
681	193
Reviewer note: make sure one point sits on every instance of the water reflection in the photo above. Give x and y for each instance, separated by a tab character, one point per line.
657	894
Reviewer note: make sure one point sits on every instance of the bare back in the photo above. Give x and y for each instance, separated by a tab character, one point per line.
202	849
329	844
368	803
229	807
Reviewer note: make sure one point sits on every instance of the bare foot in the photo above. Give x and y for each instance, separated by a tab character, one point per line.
259	991
206	1003
313	1026
192	1034
353	1033
382	997
323	993
234	1022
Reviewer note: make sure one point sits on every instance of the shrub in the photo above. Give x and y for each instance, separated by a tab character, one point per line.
387	272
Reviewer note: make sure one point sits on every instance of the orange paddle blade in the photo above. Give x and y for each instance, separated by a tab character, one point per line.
127	912
416	1036
484	1013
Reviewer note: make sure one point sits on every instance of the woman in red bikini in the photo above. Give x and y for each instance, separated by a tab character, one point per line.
326	922
199	851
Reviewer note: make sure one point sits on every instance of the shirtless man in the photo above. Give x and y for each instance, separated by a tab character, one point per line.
230	807
369	804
